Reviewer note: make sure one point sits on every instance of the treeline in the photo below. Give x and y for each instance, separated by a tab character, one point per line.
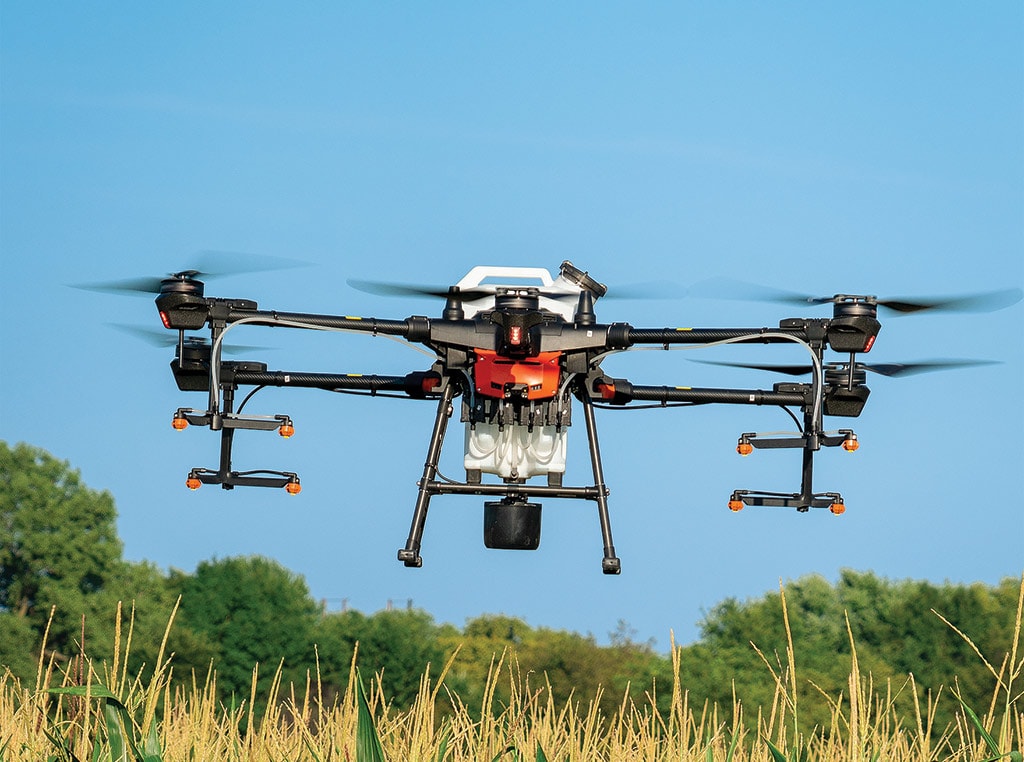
62	577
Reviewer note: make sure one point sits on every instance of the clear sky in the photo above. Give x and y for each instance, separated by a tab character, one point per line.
831	147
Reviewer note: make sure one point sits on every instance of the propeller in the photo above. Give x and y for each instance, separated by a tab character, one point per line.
986	301
166	339
403	289
639	291
207	264
885	369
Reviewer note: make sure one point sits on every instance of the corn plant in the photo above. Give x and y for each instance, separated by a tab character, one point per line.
90	713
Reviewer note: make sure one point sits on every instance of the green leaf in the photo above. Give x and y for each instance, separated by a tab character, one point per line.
368	748
311	750
59	743
541	756
777	755
115	734
442	750
732	746
118	720
990	742
151	750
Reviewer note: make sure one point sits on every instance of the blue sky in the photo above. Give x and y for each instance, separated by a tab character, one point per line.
869	148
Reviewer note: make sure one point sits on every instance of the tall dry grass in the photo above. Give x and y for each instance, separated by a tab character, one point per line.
90	711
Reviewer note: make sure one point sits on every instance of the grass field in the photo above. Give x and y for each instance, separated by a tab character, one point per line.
97	711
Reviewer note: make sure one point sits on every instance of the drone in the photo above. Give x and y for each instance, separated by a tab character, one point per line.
517	354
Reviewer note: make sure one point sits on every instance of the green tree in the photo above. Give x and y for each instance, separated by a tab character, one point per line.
569	665
573	665
336	636
482	643
398	645
252	611
147	598
58	542
893	626
18	643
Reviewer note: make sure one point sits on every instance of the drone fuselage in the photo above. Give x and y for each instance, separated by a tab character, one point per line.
519	352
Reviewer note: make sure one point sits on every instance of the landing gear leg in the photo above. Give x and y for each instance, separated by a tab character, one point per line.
410	554
610	563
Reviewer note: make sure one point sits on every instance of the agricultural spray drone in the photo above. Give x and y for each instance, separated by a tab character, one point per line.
516	352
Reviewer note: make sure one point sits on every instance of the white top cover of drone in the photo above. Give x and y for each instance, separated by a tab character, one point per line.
558	295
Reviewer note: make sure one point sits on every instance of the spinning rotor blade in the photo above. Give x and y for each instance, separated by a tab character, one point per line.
648	290
895	369
728	288
207	264
167	339
885	369
789	370
400	289
987	301
128	285
652	290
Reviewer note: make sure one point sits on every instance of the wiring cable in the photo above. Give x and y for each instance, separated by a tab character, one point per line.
818	378
285	323
289	323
